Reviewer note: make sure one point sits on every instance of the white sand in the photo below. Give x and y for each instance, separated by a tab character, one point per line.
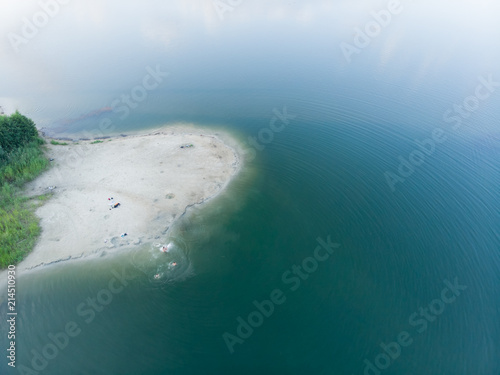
152	178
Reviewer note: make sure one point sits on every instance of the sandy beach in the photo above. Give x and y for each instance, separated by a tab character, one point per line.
153	177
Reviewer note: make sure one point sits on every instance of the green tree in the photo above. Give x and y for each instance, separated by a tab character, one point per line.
15	131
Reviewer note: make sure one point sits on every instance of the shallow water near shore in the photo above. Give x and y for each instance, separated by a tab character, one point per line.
320	179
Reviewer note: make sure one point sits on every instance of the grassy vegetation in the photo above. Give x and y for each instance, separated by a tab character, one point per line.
21	160
54	142
94	142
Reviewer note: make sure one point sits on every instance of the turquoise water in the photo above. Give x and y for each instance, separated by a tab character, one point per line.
416	264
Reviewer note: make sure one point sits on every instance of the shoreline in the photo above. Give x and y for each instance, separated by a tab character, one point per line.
72	220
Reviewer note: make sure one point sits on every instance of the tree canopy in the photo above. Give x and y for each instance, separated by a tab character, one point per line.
16	130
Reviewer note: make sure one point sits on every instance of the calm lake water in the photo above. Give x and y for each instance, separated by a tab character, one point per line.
379	177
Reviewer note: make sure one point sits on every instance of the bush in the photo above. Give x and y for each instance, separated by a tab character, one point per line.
15	131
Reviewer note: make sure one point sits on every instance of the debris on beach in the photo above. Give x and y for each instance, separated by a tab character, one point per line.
113	204
187	146
123	235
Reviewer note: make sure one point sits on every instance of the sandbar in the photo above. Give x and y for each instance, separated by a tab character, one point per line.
154	177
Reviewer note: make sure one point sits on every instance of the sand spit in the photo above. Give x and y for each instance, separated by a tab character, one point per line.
153	177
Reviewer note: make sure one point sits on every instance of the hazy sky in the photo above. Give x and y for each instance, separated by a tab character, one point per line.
88	47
